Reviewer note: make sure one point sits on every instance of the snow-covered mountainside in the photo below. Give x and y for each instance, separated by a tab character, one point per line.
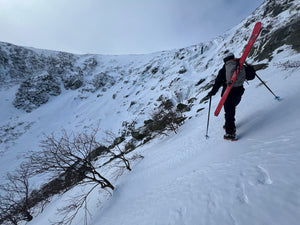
183	178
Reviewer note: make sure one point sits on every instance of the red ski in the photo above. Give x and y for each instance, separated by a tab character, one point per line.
248	47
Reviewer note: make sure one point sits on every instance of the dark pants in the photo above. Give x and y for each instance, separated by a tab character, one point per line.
230	104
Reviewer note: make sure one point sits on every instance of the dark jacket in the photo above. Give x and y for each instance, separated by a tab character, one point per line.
221	81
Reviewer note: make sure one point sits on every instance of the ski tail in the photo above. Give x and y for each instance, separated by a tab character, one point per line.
253	37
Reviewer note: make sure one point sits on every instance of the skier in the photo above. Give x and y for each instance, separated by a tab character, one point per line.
247	72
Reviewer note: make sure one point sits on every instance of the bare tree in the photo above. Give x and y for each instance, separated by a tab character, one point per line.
15	200
7	210
71	210
71	157
115	151
71	160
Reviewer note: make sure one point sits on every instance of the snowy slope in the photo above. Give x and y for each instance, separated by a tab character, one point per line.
183	178
186	179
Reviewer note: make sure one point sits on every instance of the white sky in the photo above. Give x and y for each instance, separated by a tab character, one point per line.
118	26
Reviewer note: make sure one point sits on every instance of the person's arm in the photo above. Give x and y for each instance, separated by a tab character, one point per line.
218	82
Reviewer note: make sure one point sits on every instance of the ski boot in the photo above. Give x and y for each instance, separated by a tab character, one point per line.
230	137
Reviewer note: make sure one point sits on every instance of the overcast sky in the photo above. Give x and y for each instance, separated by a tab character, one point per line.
118	26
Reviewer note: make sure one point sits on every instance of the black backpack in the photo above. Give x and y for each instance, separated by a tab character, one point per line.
250	72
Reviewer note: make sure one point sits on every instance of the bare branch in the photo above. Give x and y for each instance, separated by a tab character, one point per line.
71	160
115	150
14	201
75	205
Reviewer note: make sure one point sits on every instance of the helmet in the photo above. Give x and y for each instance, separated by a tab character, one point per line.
228	56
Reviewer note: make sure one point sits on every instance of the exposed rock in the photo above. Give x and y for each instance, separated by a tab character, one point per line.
36	91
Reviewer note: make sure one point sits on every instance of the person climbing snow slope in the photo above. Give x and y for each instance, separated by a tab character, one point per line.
247	72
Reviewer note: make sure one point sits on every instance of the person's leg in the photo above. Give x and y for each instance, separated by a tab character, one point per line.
229	108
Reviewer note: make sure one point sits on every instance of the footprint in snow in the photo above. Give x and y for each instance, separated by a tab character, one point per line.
263	176
177	216
241	193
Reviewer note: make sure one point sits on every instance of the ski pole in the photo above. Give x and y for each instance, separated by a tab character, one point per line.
276	97
208	118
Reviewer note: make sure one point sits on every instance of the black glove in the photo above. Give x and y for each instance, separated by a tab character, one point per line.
210	94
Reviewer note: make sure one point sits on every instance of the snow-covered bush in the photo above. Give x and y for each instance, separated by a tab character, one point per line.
73	81
165	118
36	91
101	80
288	64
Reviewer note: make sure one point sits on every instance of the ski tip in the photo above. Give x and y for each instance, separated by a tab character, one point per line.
257	25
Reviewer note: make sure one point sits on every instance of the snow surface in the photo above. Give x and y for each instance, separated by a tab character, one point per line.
187	179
